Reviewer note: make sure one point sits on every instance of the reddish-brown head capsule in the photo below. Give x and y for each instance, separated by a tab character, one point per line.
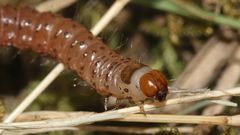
154	84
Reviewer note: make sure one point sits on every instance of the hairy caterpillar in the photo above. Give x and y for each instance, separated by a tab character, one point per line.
71	44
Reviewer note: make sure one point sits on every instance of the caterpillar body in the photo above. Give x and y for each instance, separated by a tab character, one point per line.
74	46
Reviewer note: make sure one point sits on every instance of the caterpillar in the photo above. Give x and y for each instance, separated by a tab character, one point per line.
73	45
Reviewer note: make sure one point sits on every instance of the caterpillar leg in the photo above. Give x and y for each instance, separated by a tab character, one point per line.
111	103
141	107
140	104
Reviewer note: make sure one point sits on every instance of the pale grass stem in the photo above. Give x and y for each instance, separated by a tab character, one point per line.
54	5
69	119
114	129
183	119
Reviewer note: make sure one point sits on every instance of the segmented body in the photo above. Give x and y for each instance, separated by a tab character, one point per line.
74	46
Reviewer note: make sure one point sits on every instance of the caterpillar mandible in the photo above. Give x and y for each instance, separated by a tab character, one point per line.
74	46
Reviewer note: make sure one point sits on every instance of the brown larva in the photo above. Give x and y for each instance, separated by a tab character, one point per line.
74	46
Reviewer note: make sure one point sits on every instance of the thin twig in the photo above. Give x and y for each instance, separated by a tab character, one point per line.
35	131
54	5
94	128
111	13
229	78
186	119
193	77
54	73
33	95
187	99
68	122
127	115
133	130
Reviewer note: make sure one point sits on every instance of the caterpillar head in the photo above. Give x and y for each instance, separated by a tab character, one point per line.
154	84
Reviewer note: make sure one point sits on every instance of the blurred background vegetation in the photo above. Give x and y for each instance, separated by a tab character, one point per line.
164	34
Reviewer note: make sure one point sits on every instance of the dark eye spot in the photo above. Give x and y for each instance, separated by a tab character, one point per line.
106	77
81	43
69	58
81	68
126	90
106	85
102	48
94	84
90	37
130	98
74	25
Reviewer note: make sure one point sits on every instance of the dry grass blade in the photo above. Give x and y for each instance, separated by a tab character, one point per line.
54	5
113	129
70	121
229	78
111	13
187	99
32	96
35	131
133	130
127	113
149	118
186	119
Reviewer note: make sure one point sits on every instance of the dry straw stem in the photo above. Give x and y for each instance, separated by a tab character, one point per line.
127	115
210	55
111	13
229	78
133	130
54	5
59	68
186	119
113	129
35	131
187	99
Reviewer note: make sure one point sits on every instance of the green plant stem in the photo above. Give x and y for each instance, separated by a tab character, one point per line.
190	10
